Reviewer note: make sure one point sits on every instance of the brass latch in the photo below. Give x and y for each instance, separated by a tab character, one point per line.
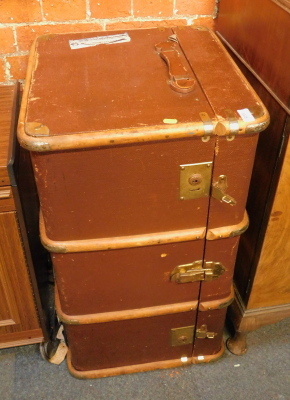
202	333
197	271
218	191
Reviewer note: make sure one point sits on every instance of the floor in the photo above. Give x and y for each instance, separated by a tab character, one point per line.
263	373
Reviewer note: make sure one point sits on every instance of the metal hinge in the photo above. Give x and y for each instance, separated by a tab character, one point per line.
233	124
197	271
202	333
218	191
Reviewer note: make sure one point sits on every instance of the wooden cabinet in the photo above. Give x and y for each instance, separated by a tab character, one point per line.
257	35
20	313
274	263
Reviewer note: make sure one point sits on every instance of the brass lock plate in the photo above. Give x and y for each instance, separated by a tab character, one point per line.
195	180
182	336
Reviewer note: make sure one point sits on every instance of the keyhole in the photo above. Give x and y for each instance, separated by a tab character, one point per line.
183	339
195	179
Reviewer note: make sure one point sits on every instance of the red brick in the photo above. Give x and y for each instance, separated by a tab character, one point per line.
2	74
204	21
64	10
26	34
153	8
18	66
195	7
20	11
110	9
144	24
123	25
165	23
6	41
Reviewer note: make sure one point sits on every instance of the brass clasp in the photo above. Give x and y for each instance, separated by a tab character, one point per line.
197	271
219	191
202	333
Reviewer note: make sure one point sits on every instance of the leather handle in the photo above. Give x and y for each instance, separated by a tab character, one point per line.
180	76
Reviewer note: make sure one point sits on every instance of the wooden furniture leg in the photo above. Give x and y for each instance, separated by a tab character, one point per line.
238	343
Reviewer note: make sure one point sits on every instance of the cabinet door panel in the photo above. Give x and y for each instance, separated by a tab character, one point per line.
8	307
17	308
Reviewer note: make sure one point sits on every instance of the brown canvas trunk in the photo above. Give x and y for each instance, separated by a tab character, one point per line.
142	168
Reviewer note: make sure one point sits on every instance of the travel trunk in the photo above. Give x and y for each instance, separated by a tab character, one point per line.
142	144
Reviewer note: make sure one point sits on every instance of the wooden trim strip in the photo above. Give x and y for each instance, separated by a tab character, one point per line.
120	242
245	320
26	342
256	318
5	192
128	369
84	140
14	339
285	4
122	315
7	322
217	304
229	231
209	358
113	137
7	202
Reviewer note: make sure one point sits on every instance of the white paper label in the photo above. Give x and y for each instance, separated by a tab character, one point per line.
94	41
246	115
170	121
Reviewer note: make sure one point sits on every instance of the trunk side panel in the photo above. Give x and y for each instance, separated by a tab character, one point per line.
120	191
97	282
119	343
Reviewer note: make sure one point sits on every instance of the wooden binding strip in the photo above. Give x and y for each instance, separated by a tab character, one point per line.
209	358
121	242
122	315
217	304
130	369
229	231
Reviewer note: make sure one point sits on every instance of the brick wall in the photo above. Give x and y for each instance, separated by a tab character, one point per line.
22	20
